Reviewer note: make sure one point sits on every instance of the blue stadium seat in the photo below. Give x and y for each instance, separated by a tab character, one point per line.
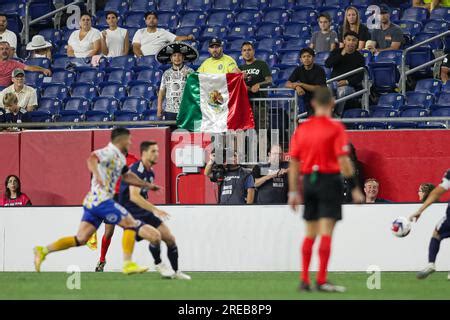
203	55
142	6
50	104
431	125
112	90
134	104
84	90
336	3
79	104
198	5
131	33
441	112
420	56
236	55
122	62
149	115
41	62
289	59
410	28
293	30
446	87
60	63
284	74
235	45
225	5
354	114
220	18
389	56
14	23
254	4
108	104
419	99
269	44
414	112
149	76
40	116
380	112
321	57
34	79
38	9
142	90
169	5
295	44
432	86
212	32
189	30
415	14
52	35
361	3
368	56
436	26
65	35
393	100
277	16
100	21
268	57
240	31
63	77
282	4
268	30
13	8
146	62
118	6
121	115
250	17
92	76
134	20
58	91
193	19
444	99
440	13
434	45
305	15
167	20
122	77
336	14
384	75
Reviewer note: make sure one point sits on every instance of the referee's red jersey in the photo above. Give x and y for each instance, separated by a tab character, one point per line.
131	158
317	143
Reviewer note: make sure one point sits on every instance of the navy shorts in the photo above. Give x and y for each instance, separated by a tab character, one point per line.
443	226
146	217
108	211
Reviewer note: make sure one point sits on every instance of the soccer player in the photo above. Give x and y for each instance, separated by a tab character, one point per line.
319	150
442	229
106	166
135	200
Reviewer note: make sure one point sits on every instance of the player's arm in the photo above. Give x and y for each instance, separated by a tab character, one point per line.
348	172
250	195
138	199
294	197
92	164
260	181
208	168
133	180
161	96
434	196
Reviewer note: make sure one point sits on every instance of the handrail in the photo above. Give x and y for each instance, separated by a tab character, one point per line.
392	119
404	73
86	124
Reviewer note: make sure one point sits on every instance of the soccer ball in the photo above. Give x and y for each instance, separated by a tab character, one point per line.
401	227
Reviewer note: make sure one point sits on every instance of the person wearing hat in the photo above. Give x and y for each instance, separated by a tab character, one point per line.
174	78
114	39
219	62
389	36
148	41
8	35
26	95
39	47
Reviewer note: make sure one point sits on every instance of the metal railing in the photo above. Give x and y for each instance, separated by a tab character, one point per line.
405	73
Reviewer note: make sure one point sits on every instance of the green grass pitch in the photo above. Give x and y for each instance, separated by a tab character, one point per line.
217	285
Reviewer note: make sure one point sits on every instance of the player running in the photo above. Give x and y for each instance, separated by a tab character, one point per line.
106	166
442	229
135	200
319	150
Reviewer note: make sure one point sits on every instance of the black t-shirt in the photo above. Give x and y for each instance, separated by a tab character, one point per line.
273	191
21	116
2	115
363	33
256	72
315	76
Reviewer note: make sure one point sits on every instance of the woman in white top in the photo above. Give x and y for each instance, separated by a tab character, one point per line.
85	42
115	41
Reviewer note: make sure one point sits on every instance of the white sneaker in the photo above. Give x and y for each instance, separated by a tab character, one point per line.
164	271
429	269
181	276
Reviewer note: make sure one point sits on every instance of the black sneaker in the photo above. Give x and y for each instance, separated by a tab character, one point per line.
328	287
100	266
304	287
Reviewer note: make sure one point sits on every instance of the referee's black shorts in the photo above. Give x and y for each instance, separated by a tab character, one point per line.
323	196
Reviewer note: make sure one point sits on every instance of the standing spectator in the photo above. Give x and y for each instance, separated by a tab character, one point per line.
14	114
148	41
325	39
371	189
357	165
445	69
7	66
115	41
218	63
13	196
352	22
257	76
424	190
389	36
271	180
85	42
26	95
8	36
343	60
307	78
174	78
40	48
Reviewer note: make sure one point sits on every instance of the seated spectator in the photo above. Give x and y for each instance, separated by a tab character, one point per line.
371	189
85	42
218	63
445	69
39	48
25	94
149	40
325	39
306	78
13	113
357	165
424	190
352	22
7	66
115	41
389	36
343	60
13	196
8	36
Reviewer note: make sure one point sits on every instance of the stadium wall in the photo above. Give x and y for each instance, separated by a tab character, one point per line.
232	238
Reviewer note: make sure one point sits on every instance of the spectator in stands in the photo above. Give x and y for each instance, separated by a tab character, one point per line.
13	113
39	48
7	66
306	78
85	42
424	190
343	60
115	41
148	41
13	196
219	62
445	69
357	165
389	36
352	22
174	79
325	39
430	4
8	36
371	189
26	95
271	180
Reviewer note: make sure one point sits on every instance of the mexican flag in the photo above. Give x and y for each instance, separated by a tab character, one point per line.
215	103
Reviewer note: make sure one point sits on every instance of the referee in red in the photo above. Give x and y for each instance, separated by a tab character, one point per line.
319	151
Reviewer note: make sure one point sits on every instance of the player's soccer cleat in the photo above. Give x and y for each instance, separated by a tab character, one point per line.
92	242
448	276
100	266
181	276
422	274
164	271
39	256
328	287
304	287
131	267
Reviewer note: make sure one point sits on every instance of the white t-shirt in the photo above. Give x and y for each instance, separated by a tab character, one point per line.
114	41
10	37
81	48
152	42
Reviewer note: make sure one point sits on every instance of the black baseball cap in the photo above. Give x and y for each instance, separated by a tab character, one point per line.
384	9
215	41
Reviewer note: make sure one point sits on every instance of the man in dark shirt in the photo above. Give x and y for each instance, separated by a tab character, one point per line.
343	60
306	78
389	36
14	114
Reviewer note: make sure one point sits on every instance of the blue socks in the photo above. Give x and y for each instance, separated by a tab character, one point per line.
433	249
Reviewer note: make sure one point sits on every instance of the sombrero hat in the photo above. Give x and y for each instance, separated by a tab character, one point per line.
189	52
38	42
